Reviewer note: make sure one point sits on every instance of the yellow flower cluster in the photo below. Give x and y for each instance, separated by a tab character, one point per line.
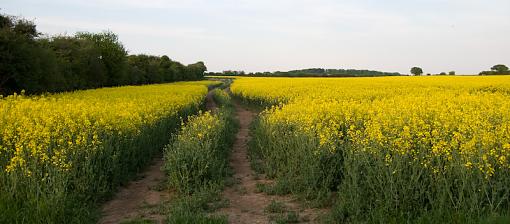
199	127
461	119
46	131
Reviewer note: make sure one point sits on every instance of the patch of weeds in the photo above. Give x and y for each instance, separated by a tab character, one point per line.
256	165
275	207
280	188
186	217
260	187
217	204
193	208
138	221
496	219
158	208
290	217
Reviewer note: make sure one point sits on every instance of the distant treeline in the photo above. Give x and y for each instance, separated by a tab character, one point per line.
37	64
310	72
499	69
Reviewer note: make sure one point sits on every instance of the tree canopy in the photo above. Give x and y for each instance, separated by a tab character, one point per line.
310	72
86	60
499	69
416	71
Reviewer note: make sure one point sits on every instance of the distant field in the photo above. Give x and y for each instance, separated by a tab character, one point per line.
428	149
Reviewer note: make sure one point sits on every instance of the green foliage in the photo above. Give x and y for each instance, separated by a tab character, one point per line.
275	207
311	174
139	221
86	60
310	72
290	217
112	53
497	70
196	163
24	63
80	66
145	69
193	208
416	71
198	156
500	69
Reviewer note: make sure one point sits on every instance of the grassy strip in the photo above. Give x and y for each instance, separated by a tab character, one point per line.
196	163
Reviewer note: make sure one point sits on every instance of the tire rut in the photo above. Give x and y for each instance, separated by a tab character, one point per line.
247	205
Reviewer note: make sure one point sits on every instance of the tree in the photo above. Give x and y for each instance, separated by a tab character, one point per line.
195	71
416	71
79	63
113	55
451	73
500	69
497	70
442	73
25	63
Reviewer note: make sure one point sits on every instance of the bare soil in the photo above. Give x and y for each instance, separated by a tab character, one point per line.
247	205
139	199
209	102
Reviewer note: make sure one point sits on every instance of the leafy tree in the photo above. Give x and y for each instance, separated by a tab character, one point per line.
416	71
451	73
113	55
500	69
195	71
167	72
79	62
87	60
497	70
442	73
24	62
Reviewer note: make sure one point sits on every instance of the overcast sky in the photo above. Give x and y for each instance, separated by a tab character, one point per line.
268	35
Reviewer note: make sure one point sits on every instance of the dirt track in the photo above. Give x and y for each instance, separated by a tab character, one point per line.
136	199
247	205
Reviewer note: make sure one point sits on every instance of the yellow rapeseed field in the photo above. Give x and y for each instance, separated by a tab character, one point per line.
452	132
449	115
46	129
84	142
